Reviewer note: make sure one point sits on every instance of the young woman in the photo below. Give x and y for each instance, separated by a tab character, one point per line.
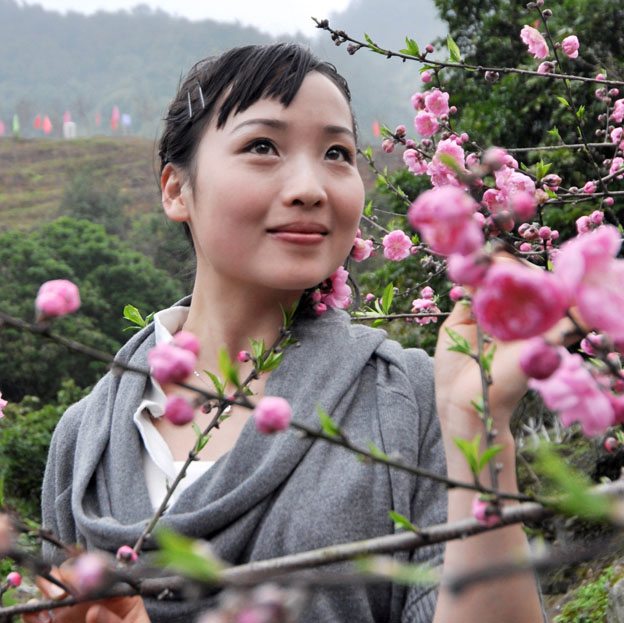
258	162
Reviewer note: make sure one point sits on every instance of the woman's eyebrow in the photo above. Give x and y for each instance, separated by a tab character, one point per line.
278	124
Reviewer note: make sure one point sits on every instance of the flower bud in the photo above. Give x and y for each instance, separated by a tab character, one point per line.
57	298
425	76
484	512
400	131
611	445
608	201
272	414
14	579
170	364
538	359
178	410
491	76
125	554
547	13
429	48
187	341
457	293
243	356
387	146
590	187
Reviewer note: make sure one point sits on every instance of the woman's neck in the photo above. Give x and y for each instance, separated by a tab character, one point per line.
229	316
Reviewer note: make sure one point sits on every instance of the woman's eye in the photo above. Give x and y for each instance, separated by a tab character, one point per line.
337	152
262	147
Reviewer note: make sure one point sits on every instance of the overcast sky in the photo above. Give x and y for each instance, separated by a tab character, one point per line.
273	16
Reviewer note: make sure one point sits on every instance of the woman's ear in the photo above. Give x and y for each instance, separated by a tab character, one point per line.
176	196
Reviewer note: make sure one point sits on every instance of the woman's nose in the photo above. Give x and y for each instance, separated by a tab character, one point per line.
304	186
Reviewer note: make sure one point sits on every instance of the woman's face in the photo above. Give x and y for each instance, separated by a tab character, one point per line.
277	196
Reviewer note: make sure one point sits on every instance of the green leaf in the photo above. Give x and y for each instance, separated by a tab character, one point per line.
133	315
453	49
272	361
288	315
563	101
488	454
385	132
470	451
257	347
402	522
217	382
411	47
372	46
368	210
477	403
541	169
554	132
377	323
381	179
581	111
577	499
368	153
461	344
376	452
228	368
386	299
330	428
187	557
486	360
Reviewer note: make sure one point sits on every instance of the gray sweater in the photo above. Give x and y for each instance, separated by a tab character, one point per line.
270	495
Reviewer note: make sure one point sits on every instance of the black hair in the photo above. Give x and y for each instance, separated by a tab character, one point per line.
236	79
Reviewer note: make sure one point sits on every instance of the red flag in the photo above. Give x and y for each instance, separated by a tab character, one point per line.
115	118
47	125
37	122
2	129
66	117
376	130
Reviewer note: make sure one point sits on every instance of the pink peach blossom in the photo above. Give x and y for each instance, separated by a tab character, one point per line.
516	302
469	270
457	293
57	298
534	40
14	579
178	410
243	356
523	205
538	359
618	111
425	76
427	292
589	188
187	341
362	249
426	123
570	46
575	393
126	554
171	364
396	245
418	101
272	414
340	294
440	173
425	305
481	511
3	403
546	68
414	162
444	217
387	145
436	102
617	164
594	278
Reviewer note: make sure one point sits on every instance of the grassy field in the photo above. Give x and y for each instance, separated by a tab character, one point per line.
34	173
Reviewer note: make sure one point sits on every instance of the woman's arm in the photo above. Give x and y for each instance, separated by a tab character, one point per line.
457	383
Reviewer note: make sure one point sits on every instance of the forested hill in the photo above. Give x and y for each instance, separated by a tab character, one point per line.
52	63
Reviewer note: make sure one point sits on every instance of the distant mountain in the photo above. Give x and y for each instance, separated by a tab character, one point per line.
51	63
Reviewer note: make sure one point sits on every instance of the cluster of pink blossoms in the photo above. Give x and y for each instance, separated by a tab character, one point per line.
57	298
362	249
426	303
333	293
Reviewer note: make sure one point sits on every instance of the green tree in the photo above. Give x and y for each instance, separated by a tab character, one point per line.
109	273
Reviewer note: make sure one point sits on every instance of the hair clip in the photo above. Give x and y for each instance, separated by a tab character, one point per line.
201	95
188	97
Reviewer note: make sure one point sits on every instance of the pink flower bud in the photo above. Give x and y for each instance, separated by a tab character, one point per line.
427	292
126	554
464	137
589	188
583	224
538	359
483	512
400	130
178	410
387	146
457	293
453	110
14	579
544	233
272	414
187	341
320	309
611	445
243	356
468	269
570	46
546	67
369	297
57	298
596	217
551	181
410	144
429	48
87	573
425	76
525	247
587	347
608	201
170	364
472	160
600	76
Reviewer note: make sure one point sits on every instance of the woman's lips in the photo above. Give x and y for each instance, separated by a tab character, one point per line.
300	233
